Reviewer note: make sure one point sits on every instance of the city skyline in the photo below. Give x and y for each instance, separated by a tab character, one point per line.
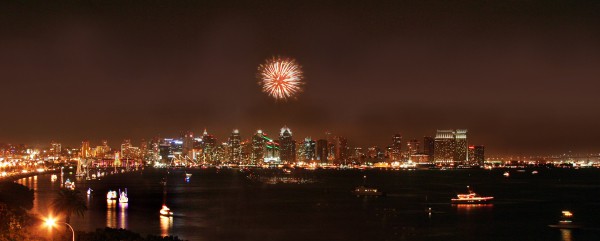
524	81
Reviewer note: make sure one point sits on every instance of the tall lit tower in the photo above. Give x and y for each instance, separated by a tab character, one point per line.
396	152
235	147
258	148
341	149
444	148
209	145
287	152
188	145
309	149
461	155
85	149
322	150
413	147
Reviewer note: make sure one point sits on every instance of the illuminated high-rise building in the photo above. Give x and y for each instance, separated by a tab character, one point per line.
460	147
322	150
308	147
125	146
476	156
272	151
258	148
55	148
187	150
451	147
287	151
209	145
444	148
86	151
341	149
412	148
396	148
235	147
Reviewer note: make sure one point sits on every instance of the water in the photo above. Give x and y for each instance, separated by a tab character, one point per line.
225	205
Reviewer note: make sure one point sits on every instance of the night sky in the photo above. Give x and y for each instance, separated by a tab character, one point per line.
522	76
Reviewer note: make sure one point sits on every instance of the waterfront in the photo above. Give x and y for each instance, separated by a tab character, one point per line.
225	205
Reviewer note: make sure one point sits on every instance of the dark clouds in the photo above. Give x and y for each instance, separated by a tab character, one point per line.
521	75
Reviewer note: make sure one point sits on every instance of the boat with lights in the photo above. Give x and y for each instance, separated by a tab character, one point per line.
470	198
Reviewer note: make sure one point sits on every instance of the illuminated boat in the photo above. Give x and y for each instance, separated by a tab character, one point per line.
534	172
367	191
53	177
89	191
165	211
111	195
470	198
566	221
506	174
69	185
188	175
123	196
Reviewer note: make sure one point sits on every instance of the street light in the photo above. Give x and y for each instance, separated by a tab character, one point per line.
51	222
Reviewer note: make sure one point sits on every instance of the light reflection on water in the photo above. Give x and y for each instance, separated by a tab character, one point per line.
123	215
111	216
566	235
166	224
467	208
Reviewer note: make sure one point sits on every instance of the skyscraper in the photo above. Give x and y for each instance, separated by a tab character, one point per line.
341	149
451	147
309	149
476	155
412	148
428	147
287	146
258	148
322	150
444	148
235	147
188	145
460	147
85	149
209	146
396	148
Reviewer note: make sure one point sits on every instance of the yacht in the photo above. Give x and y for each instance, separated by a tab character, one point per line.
470	198
566	221
111	195
366	191
506	174
362	190
69	185
165	211
123	196
89	191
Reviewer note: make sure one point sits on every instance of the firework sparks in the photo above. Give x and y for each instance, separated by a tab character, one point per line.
280	78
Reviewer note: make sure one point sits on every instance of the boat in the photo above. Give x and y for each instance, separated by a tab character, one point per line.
188	175
366	191
566	221
123	196
69	185
111	195
89	191
165	211
506	174
470	198
53	178
362	190
534	172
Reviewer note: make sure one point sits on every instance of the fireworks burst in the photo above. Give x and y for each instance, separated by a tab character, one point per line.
281	78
